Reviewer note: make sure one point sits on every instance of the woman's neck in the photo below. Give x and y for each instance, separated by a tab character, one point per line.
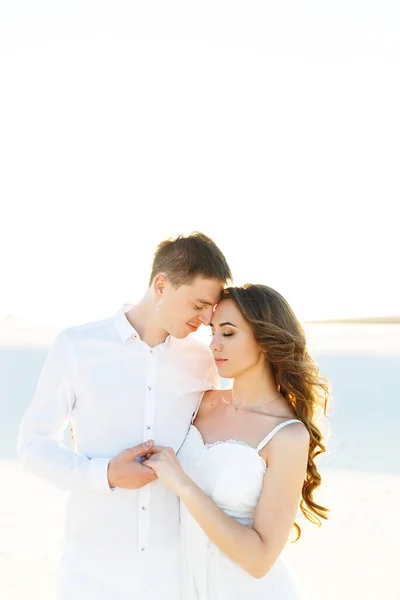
254	387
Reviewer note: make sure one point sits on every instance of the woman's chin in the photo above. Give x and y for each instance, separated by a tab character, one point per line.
224	372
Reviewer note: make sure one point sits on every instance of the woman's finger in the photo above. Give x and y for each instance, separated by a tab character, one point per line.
155	450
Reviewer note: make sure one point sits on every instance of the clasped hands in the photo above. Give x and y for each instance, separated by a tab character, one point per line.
135	467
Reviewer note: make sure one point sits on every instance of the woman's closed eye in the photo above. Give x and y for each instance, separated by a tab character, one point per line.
223	334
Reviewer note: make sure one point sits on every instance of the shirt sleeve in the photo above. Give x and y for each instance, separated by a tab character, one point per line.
42	427
213	379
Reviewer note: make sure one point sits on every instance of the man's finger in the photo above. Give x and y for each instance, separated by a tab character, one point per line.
139	449
156	450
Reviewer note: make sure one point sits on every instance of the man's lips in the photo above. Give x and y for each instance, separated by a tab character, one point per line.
219	361
192	327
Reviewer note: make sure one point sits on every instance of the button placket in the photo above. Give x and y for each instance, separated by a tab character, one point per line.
149	407
144	522
144	493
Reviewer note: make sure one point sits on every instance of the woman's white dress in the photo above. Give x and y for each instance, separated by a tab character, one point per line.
231	473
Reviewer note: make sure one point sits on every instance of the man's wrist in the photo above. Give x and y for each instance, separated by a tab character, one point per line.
109	477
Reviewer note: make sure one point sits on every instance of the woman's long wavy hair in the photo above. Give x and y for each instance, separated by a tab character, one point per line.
297	377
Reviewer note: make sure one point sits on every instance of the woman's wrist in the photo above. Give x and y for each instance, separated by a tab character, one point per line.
185	486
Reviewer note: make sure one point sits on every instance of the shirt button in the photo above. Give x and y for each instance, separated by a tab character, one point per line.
151	351
142	549
143	508
149	387
148	427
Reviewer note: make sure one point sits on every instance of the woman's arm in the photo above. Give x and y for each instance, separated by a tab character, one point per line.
254	548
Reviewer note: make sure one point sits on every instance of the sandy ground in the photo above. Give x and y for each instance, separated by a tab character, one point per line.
352	556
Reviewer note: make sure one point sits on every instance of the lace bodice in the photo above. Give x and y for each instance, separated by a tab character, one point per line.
231	472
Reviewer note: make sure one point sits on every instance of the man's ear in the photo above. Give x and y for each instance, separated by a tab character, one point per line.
159	284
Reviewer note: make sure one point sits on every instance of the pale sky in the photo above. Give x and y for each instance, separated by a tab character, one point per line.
273	127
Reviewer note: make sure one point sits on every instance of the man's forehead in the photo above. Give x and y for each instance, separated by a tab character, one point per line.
208	291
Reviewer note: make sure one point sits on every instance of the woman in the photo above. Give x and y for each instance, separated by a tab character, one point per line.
249	455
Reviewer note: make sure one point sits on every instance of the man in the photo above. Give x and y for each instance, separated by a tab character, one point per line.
131	379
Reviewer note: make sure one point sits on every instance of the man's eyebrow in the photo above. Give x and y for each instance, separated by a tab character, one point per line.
222	324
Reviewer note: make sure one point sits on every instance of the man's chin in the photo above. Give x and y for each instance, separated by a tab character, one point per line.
182	332
181	335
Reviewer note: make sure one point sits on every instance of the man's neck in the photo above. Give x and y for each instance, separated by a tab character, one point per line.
141	317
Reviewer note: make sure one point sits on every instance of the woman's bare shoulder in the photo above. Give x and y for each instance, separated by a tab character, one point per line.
289	442
213	398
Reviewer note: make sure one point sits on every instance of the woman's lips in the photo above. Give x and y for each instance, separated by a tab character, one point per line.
219	361
192	327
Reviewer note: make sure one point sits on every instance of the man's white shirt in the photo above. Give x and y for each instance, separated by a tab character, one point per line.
116	392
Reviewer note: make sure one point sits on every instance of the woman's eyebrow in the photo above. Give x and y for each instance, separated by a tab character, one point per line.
222	324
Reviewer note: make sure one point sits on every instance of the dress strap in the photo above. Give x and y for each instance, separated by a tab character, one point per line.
271	434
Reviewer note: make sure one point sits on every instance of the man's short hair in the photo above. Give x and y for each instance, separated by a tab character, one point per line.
184	258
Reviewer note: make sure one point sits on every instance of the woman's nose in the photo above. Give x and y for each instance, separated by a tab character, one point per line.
215	345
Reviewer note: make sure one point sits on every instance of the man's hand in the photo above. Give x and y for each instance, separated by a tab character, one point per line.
124	471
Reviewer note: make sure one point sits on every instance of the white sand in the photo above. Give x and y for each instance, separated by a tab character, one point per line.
352	556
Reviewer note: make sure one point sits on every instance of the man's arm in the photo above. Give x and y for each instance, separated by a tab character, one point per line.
40	446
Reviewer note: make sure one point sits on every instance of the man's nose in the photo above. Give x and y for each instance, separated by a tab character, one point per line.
206	317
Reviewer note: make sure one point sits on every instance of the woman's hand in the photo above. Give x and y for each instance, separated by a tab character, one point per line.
165	464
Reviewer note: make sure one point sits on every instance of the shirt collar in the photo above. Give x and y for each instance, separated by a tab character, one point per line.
126	331
124	328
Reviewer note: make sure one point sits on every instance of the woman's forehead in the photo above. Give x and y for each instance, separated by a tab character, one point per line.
227	310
